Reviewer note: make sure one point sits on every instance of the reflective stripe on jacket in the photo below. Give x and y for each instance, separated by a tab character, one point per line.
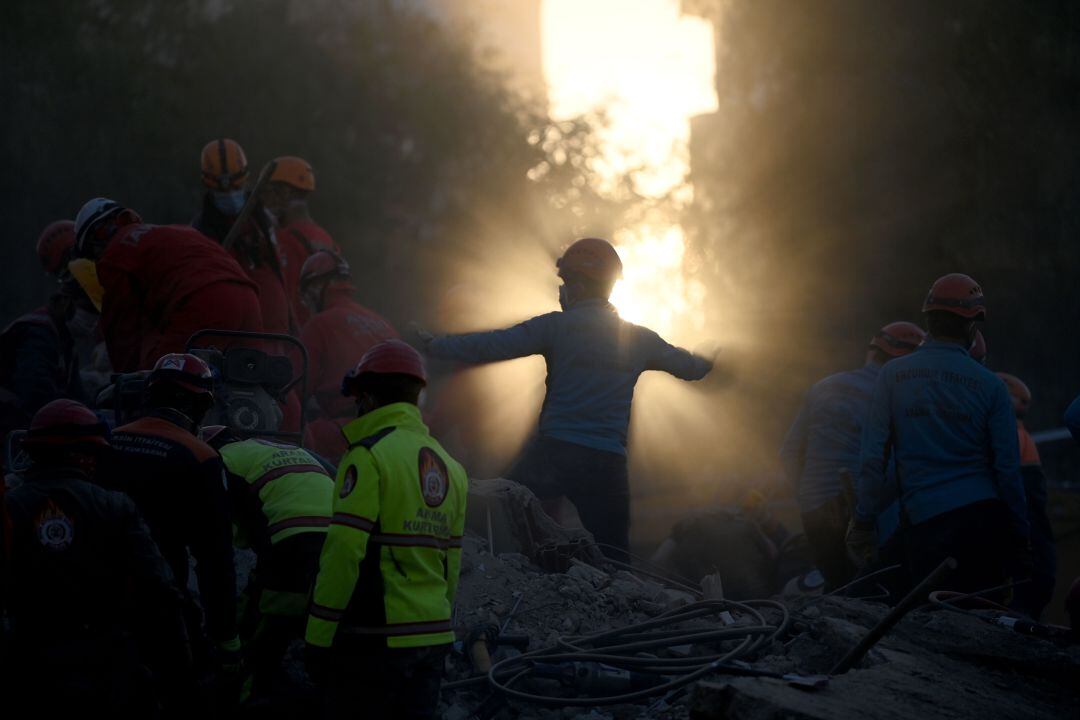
286	491
389	567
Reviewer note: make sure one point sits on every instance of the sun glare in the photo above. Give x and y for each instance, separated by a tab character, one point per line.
651	69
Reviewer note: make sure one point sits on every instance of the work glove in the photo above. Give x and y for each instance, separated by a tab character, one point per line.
862	546
317	663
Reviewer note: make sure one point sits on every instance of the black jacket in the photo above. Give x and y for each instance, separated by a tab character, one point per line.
79	561
178	483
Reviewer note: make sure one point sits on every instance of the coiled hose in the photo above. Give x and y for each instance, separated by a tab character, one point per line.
627	649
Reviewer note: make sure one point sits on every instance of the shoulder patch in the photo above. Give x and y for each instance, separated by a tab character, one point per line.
434	477
55	530
372	440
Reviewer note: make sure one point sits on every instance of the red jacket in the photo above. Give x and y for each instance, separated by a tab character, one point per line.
149	273
335	340
257	252
298	241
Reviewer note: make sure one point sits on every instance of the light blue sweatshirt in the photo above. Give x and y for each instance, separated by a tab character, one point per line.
594	358
827	434
949	423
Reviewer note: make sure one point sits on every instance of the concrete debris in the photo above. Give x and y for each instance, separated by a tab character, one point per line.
511	519
933	664
723	542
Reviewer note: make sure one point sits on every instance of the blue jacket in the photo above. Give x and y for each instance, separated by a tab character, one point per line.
826	435
949	424
1072	419
593	357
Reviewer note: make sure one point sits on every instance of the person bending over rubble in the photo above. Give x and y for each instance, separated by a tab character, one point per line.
379	624
594	359
949	424
821	450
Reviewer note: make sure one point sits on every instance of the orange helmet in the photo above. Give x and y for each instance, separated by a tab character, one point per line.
294	171
55	244
958	294
1018	391
977	351
593	258
898	338
224	165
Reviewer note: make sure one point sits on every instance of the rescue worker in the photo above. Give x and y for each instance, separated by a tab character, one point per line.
178	483
55	246
38	361
162	283
1033	597
225	175
594	359
90	599
281	501
948	423
339	331
820	453
299	237
379	625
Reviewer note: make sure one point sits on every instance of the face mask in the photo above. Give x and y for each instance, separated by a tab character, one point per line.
229	203
83	324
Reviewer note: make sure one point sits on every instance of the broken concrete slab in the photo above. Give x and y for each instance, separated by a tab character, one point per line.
512	520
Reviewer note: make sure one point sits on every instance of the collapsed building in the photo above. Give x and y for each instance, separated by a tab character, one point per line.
550	628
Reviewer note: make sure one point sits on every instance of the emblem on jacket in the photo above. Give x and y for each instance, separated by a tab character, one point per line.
348	483
434	478
55	530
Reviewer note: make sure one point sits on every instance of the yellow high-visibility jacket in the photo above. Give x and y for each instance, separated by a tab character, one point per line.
389	567
285	492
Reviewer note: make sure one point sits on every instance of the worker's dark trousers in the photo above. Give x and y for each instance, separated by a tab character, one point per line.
1033	597
376	683
276	612
976	535
826	533
597	482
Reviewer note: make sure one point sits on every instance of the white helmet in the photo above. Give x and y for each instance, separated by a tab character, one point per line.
93	212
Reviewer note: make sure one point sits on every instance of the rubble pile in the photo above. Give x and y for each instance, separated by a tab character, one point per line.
933	664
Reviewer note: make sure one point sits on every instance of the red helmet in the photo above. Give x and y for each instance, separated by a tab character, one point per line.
323	265
184	370
593	258
898	338
65	423
977	351
958	294
55	244
390	357
1018	391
